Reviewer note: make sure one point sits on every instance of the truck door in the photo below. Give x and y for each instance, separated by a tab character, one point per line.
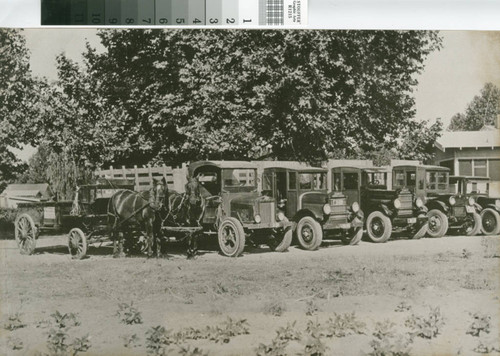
350	185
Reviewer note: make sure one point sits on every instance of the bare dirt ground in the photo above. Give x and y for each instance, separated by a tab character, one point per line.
378	282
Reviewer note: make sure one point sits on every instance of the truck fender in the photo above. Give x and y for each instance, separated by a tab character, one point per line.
383	208
436	204
492	206
307	212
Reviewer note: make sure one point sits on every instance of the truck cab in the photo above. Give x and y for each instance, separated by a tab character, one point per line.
302	195
235	209
385	210
446	209
487	205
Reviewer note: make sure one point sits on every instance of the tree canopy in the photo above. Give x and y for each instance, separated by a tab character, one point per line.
174	96
482	110
156	96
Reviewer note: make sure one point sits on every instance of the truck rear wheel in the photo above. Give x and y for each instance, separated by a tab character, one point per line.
378	227
438	223
473	226
231	237
309	233
490	221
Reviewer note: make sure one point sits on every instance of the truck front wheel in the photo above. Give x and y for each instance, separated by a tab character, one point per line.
438	223
378	227
309	233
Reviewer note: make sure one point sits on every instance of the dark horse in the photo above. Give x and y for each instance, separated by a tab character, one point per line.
186	210
127	208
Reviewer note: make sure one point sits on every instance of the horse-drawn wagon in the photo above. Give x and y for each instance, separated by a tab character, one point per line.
83	219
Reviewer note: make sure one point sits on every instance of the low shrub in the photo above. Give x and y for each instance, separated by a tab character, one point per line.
157	340
288	332
344	324
13	322
402	307
65	320
480	323
311	307
275	348
426	327
389	343
130	341
128	314
187	351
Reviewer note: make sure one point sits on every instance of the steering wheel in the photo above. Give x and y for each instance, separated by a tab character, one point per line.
376	182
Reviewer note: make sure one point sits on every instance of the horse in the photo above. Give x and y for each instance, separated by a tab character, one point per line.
187	210
127	208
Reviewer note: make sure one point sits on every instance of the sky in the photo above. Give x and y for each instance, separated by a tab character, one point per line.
452	76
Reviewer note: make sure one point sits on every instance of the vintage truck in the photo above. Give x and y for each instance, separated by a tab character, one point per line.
446	209
302	196
385	210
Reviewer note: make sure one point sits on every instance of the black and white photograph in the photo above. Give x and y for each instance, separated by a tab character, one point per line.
249	192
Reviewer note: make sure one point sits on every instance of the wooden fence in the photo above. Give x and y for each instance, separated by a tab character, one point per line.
175	177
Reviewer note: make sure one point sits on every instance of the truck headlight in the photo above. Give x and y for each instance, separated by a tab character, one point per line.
471	201
280	216
419	203
452	200
355	207
327	209
397	203
257	218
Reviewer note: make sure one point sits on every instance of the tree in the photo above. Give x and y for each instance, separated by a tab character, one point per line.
15	101
186	95
482	110
175	96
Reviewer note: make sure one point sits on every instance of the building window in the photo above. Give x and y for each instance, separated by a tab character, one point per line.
494	169
465	167
480	168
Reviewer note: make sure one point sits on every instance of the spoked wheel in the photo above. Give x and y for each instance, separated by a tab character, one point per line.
309	233
352	237
281	242
77	244
438	223
26	234
473	225
378	227
490	221
231	237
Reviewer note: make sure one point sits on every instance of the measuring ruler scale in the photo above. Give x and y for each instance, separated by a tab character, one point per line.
243	13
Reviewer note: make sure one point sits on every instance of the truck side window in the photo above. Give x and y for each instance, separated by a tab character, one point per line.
292	180
351	181
399	179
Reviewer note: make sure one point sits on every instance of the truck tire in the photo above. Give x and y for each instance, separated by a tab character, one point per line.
490	222
352	237
475	227
438	223
282	241
378	227
231	237
309	233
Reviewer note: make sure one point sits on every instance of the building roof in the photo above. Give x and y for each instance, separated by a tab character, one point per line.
468	139
27	190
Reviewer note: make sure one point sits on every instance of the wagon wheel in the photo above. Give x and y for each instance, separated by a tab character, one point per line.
77	244
231	237
26	234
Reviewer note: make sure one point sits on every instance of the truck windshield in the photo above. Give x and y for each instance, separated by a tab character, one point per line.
238	178
477	187
312	181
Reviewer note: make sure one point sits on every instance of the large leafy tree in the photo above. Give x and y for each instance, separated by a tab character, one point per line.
16	101
172	96
482	110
